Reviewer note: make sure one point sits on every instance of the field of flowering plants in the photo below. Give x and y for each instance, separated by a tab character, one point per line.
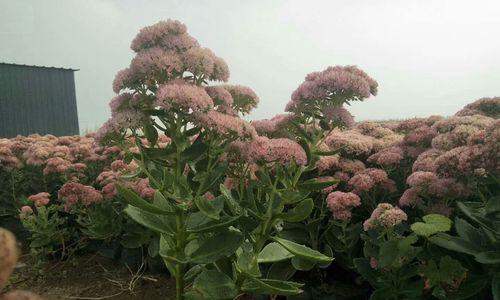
306	205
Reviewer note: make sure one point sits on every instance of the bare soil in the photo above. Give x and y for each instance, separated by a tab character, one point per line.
91	277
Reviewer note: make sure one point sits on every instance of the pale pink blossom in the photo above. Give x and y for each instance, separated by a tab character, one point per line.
170	35
74	193
25	212
244	98
202	62
340	204
410	197
335	85
224	124
40	199
185	96
338	115
385	215
485	106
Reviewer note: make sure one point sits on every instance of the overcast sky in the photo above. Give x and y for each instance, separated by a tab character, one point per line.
429	56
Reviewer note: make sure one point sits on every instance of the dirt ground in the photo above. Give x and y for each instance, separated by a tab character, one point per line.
91	278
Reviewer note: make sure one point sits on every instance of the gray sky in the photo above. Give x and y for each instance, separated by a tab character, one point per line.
429	56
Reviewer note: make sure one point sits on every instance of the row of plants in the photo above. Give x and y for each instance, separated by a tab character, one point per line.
306	205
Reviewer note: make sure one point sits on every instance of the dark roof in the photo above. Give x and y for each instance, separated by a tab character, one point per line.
33	66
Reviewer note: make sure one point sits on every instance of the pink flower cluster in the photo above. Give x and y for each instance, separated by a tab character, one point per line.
224	124
385	215
244	98
485	106
340	204
40	199
338	115
202	61
351	142
74	193
188	97
272	126
335	85
368	179
170	34
263	149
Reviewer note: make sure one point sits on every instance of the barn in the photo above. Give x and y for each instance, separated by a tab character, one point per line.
37	99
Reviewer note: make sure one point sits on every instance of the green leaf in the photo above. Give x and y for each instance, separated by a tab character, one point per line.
211	225
454	243
273	252
158	223
468	232
366	271
495	286
434	223
193	272
232	204
388	253
315	185
162	203
220	244
212	284
207	207
151	133
302	251
271	287
472	286
301	264
291	197
133	199
247	263
282	270
195	152
488	257
299	212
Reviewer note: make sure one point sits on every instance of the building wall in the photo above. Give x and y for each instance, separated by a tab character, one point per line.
37	100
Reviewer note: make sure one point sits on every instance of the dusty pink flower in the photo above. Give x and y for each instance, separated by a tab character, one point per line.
338	115
410	197
209	196
340	204
244	98
373	263
421	180
367	179
351	142
271	126
152	62
40	199
351	166
328	163
143	189
285	151
56	165
335	85
76	193
25	211
422	136
426	161
485	106
326	179
170	35
224	124
388	156
219	95
186	96
385	215
202	62
122	79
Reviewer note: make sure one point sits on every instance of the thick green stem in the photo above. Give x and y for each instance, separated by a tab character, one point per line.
180	245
